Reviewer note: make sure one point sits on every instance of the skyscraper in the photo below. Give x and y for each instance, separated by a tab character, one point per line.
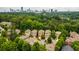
51	10
56	10
21	9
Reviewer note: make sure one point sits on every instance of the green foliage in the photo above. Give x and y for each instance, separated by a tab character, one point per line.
53	34
75	45
42	48
53	21
19	44
2	40
17	39
26	46
64	34
68	26
36	47
4	33
61	27
37	25
8	46
49	40
22	45
56	21
59	44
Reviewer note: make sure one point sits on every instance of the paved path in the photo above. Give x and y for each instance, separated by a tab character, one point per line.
67	48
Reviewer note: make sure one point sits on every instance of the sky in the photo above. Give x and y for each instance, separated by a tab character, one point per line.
60	5
2	9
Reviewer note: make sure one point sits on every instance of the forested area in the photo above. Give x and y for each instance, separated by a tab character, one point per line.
65	22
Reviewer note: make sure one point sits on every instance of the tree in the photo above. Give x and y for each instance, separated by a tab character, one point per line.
4	33
19	44
17	39
53	34
8	46
2	40
51	24
59	44
26	47
68	26
37	25
26	24
49	40
64	34
61	27
42	48
75	45
22	45
36	47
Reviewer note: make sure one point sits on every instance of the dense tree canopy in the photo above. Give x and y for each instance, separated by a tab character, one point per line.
8	46
54	21
59	44
75	45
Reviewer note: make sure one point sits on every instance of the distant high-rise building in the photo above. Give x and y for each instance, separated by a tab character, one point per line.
43	10
29	10
21	8
51	10
11	10
56	10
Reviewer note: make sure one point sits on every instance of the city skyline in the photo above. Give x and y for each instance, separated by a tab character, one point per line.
5	9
